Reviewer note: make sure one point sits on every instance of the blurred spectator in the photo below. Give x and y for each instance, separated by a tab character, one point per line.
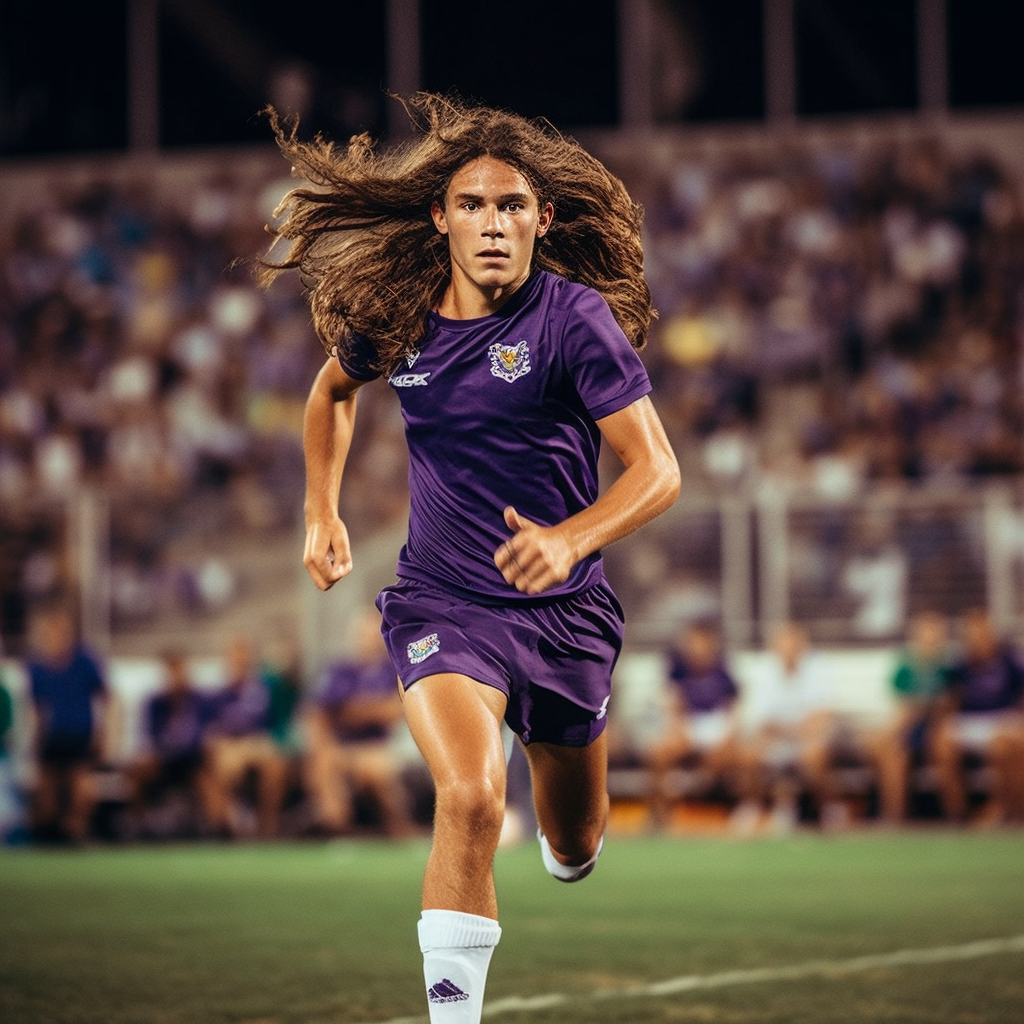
701	717
920	687
69	696
350	727
281	672
240	744
174	722
986	723
788	736
11	823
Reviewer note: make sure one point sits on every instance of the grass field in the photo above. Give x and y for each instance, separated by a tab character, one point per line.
775	930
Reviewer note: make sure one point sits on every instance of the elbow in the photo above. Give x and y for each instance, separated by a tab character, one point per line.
670	480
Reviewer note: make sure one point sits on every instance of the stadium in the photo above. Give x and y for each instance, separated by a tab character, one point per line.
833	237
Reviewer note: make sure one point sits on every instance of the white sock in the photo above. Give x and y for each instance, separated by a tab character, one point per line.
456	951
566	872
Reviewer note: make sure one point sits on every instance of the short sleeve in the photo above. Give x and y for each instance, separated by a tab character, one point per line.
607	370
357	359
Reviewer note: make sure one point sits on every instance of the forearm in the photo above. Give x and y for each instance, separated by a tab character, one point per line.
327	426
643	491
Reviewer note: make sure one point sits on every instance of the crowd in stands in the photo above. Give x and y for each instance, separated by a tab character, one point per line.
955	706
262	752
136	353
137	356
214	759
888	274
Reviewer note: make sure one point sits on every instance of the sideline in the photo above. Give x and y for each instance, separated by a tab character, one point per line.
828	969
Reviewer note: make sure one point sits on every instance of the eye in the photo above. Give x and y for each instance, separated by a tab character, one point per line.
513	207
469	207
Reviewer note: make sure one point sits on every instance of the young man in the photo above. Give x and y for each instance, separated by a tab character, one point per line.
432	265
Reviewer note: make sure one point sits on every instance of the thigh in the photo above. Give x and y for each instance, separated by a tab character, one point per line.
456	723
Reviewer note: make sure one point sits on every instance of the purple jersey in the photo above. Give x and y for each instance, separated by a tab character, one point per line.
241	709
501	411
702	689
349	680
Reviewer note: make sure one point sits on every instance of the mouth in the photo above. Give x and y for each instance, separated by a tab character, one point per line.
492	254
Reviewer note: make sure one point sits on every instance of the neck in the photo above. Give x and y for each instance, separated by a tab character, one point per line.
464	300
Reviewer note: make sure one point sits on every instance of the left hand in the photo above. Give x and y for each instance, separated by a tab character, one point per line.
535	557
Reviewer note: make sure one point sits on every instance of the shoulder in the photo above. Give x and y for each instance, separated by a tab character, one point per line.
569	295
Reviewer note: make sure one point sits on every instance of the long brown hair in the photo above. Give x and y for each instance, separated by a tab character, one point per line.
371	258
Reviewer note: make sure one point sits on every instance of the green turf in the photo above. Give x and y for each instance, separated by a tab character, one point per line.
297	934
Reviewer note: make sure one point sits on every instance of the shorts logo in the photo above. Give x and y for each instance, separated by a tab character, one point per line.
420	650
603	710
510	362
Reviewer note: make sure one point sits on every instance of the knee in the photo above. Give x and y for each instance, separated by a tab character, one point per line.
474	804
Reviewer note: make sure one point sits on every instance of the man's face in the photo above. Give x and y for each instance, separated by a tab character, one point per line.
492	219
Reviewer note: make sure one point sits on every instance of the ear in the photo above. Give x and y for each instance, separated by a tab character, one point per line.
438	217
546	216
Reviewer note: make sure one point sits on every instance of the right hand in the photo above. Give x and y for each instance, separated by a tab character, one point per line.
327	557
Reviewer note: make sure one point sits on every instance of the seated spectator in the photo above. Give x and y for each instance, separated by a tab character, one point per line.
69	695
787	743
701	721
239	742
986	721
174	722
349	730
919	684
11	824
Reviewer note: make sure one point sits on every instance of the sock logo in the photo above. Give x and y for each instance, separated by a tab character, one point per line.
446	991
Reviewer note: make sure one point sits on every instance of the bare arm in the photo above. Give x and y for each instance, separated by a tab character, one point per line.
327	426
536	558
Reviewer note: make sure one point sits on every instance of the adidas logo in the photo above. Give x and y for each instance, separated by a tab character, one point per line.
446	991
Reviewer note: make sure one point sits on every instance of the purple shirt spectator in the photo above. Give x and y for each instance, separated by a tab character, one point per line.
241	709
348	681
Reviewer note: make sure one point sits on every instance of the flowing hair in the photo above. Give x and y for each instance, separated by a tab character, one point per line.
374	264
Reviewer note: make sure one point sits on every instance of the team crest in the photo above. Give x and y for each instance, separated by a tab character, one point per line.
411	357
420	650
510	362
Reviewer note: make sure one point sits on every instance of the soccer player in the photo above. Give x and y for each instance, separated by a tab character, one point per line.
491	271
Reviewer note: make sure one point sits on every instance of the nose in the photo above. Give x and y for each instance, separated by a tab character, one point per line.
492	224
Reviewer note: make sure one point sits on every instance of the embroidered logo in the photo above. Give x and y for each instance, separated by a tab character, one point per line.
603	710
410	380
510	362
420	650
446	991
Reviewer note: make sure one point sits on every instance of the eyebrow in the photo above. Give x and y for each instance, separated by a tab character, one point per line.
511	197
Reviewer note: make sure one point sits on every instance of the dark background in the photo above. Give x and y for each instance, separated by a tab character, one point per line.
64	67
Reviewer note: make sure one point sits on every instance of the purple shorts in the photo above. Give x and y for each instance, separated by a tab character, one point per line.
553	660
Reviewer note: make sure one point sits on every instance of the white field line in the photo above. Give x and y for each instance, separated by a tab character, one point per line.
726	979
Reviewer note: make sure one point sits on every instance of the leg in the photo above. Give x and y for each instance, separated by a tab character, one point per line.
668	752
327	784
456	723
46	799
947	755
374	771
570	787
81	801
889	755
272	771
